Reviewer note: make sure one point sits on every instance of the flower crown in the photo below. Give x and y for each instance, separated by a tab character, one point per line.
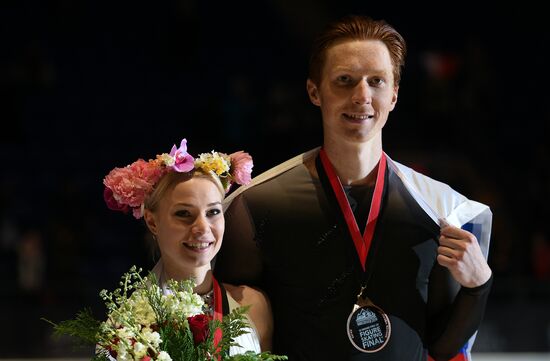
127	188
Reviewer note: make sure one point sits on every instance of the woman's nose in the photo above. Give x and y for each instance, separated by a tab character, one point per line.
362	93
200	226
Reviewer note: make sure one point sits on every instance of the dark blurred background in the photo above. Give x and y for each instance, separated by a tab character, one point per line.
90	85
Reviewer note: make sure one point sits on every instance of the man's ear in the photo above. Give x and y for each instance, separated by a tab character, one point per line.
313	92
394	97
150	221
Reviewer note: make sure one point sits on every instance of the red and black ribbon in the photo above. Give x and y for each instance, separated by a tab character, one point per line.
362	242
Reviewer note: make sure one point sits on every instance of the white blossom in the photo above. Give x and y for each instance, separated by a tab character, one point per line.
151	337
139	350
124	333
164	356
141	309
123	355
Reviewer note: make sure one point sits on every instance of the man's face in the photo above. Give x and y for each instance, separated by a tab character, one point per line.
357	91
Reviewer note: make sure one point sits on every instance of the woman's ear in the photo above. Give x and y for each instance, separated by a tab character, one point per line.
150	221
313	92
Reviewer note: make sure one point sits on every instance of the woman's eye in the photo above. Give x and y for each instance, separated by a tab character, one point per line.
182	213
213	212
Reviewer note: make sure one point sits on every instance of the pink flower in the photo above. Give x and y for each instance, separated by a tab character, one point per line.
137	212
241	163
112	202
183	161
131	185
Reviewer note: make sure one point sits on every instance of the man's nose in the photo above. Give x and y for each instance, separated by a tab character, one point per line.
362	93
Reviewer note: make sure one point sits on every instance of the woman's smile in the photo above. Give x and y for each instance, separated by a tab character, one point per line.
198	246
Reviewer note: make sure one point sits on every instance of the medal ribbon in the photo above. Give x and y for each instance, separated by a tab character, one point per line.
362	243
218	309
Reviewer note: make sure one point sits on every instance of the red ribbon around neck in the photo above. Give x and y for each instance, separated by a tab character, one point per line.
362	243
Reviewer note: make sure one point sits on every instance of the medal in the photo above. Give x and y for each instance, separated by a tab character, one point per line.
368	326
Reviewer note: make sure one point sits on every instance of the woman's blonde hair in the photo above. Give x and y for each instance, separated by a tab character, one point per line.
171	179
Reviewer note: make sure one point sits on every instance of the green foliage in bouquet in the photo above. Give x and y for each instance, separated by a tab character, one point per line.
145	324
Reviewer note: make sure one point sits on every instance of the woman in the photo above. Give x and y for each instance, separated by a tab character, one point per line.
180	199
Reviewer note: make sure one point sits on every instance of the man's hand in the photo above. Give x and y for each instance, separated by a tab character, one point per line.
460	253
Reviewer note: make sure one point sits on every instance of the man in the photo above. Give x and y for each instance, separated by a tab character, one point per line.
362	257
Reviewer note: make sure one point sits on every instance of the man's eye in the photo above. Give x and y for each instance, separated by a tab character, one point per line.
343	78
376	81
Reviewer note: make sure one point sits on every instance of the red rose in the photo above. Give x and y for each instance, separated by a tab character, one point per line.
199	327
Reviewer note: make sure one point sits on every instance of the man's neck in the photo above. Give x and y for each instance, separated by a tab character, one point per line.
355	163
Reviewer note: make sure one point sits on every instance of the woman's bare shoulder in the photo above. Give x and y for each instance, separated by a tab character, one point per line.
259	311
245	295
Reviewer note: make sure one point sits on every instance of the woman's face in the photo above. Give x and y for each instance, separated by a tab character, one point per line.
188	225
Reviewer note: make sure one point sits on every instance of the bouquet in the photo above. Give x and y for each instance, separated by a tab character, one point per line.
146	324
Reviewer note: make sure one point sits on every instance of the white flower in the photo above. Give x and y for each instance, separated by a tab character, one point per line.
218	163
182	304
142	310
151	337
191	303
167	159
123	355
124	333
171	303
164	356
139	350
